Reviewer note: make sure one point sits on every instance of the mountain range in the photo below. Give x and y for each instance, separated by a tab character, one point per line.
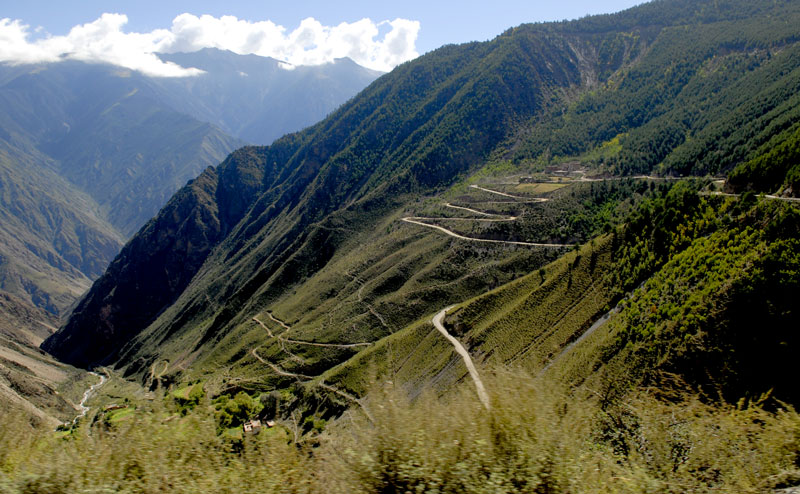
563	260
459	172
91	152
259	99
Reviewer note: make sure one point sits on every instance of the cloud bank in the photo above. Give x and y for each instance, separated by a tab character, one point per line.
311	43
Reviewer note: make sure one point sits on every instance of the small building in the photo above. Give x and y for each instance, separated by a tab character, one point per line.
252	426
270	424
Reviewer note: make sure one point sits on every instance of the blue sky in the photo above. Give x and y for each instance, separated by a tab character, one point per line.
441	22
39	31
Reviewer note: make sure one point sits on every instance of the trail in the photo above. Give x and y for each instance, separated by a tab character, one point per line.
266	328
445	218
88	394
310	379
767	196
473	372
475	211
488	217
277	369
283	340
518	198
285	326
153	376
369	306
326	345
416	220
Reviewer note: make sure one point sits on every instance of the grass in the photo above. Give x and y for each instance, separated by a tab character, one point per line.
540	188
538	438
117	416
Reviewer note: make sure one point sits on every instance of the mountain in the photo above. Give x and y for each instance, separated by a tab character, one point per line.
87	154
53	238
259	99
90	152
109	135
323	257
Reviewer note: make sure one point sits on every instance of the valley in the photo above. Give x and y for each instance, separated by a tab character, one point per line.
566	259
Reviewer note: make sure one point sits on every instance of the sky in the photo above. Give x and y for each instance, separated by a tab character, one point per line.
376	34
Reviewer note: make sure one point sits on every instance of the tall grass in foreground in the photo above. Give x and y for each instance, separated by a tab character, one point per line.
535	439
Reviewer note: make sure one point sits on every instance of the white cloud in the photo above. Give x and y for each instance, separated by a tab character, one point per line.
311	43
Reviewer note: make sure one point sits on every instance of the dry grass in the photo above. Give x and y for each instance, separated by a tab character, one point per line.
540	188
536	439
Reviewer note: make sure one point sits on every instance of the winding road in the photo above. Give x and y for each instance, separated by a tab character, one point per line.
303	378
486	217
416	220
767	196
473	372
518	199
282	340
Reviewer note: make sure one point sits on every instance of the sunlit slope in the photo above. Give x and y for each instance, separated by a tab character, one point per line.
711	304
416	128
319	230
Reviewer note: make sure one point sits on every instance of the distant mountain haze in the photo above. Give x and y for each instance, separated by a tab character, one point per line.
259	99
90	152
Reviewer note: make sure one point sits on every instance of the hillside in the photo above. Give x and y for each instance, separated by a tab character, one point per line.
53	238
565	260
91	152
285	207
107	133
608	317
323	256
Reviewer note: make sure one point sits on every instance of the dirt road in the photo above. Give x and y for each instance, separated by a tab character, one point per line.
417	221
767	196
518	198
473	372
283	340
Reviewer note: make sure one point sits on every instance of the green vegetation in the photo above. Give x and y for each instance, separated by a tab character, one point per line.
777	166
652	354
234	411
188	397
536	439
721	312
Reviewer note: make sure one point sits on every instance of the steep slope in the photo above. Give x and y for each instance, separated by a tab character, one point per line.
711	302
53	239
109	135
700	101
154	267
91	152
408	132
87	155
319	244
259	99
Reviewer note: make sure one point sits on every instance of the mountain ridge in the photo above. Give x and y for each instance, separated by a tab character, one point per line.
332	171
317	238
